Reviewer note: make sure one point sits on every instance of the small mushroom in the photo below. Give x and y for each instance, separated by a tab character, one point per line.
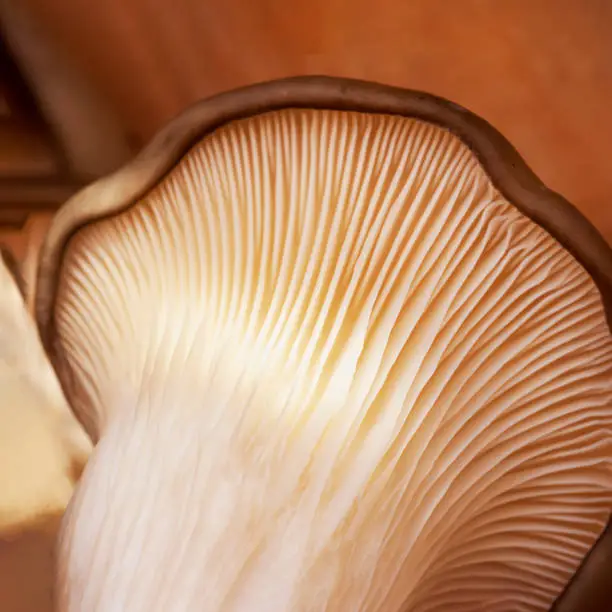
339	350
42	447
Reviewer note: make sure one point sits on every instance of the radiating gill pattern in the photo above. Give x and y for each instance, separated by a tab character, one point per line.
416	376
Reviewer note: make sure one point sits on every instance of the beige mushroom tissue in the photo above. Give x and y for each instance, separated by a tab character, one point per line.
42	450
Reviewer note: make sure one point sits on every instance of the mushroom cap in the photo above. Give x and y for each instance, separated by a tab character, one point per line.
388	323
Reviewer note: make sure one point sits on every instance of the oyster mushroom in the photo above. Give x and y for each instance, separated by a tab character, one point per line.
340	350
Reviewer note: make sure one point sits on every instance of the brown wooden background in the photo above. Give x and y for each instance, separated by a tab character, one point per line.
539	70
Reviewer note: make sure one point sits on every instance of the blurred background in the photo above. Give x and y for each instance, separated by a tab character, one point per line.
88	83
104	76
83	85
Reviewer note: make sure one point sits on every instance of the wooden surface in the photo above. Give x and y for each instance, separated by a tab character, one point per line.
33	172
26	148
539	70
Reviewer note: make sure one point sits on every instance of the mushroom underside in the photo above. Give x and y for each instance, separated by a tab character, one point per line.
331	367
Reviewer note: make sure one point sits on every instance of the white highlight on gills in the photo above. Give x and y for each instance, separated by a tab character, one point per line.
332	369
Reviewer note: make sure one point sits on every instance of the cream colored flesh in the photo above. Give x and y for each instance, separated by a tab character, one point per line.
331	368
41	444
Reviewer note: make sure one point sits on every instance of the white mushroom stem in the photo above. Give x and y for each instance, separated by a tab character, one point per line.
332	369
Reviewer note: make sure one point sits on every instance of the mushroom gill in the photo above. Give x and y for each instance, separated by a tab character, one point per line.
331	367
